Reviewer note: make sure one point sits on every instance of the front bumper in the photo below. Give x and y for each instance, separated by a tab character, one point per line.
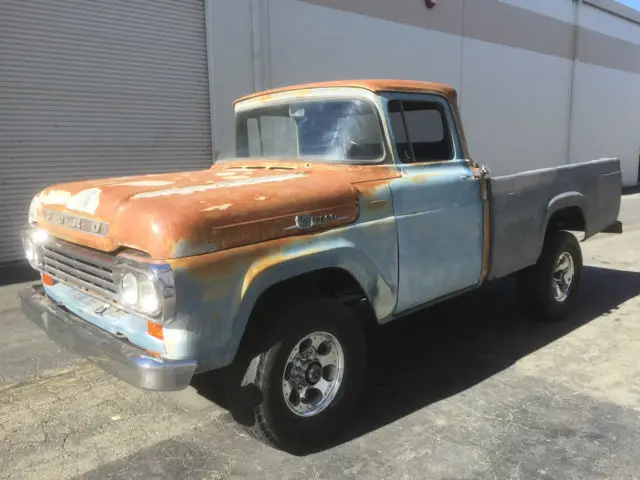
116	356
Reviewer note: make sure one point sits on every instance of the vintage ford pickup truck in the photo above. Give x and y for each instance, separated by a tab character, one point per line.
339	194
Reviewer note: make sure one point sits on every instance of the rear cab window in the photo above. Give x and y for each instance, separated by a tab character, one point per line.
421	131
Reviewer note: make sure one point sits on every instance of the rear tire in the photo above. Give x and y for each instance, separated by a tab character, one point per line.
315	345
549	288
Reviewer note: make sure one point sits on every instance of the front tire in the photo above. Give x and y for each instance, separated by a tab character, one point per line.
309	370
549	288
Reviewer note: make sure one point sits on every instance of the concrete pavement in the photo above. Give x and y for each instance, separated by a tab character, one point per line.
467	390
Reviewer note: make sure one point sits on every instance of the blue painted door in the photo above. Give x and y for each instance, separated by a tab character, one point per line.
437	202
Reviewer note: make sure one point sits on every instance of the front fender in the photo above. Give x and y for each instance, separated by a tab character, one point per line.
334	253
216	293
340	254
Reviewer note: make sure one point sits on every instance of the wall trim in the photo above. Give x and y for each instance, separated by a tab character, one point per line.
502	23
617	9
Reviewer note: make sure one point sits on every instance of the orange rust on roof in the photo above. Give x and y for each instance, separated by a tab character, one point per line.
373	85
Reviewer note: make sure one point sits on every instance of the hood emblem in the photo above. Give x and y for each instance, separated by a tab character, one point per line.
307	220
76	223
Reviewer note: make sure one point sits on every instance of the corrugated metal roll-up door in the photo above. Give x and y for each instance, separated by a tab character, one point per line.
95	88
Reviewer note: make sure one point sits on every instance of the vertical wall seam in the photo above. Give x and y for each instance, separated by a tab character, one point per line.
576	37
208	18
256	43
464	2
266	47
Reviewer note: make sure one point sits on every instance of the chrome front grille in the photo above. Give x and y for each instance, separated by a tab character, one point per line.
81	267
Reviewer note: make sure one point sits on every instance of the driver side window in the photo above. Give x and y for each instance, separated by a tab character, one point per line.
420	130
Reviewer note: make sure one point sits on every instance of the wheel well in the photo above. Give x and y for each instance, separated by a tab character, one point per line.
332	282
569	218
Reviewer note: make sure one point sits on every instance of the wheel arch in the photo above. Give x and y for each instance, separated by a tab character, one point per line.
567	211
343	272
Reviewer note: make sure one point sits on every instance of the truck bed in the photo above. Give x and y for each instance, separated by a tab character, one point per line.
522	205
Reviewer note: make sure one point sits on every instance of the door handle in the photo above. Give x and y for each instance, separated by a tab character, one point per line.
470	178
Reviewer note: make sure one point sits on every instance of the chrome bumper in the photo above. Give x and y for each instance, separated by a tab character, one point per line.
116	356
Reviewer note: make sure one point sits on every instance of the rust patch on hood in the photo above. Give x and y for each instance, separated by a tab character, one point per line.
230	204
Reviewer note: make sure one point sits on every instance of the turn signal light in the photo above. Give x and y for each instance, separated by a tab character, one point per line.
46	280
155	330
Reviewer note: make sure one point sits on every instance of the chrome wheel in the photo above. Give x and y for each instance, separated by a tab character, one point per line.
313	374
563	276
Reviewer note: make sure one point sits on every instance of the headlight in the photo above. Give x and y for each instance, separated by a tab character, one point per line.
33	240
30	250
149	299
148	289
129	287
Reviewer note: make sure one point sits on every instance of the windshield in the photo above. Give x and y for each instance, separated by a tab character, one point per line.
325	130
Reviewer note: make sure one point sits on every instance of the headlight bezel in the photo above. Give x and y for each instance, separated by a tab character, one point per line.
159	276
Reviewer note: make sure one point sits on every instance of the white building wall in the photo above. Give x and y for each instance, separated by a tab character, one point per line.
606	107
515	100
606	117
514	105
315	43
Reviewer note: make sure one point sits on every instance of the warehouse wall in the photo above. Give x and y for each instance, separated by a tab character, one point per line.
502	88
606	108
229	50
511	60
515	87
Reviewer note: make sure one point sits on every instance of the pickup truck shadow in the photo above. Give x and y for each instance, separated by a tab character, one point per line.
443	350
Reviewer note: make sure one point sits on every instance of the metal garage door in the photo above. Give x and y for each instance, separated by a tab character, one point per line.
97	88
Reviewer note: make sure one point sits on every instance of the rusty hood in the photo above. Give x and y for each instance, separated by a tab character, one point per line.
188	213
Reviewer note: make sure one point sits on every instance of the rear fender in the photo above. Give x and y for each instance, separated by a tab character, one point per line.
568	200
560	202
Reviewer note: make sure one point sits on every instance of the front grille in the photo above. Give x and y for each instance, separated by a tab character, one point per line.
88	269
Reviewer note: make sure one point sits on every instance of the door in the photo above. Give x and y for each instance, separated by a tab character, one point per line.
437	202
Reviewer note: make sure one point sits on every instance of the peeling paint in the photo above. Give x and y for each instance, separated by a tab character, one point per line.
216	207
85	201
215	186
424	177
237	177
178	343
144	183
165	225
55	197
